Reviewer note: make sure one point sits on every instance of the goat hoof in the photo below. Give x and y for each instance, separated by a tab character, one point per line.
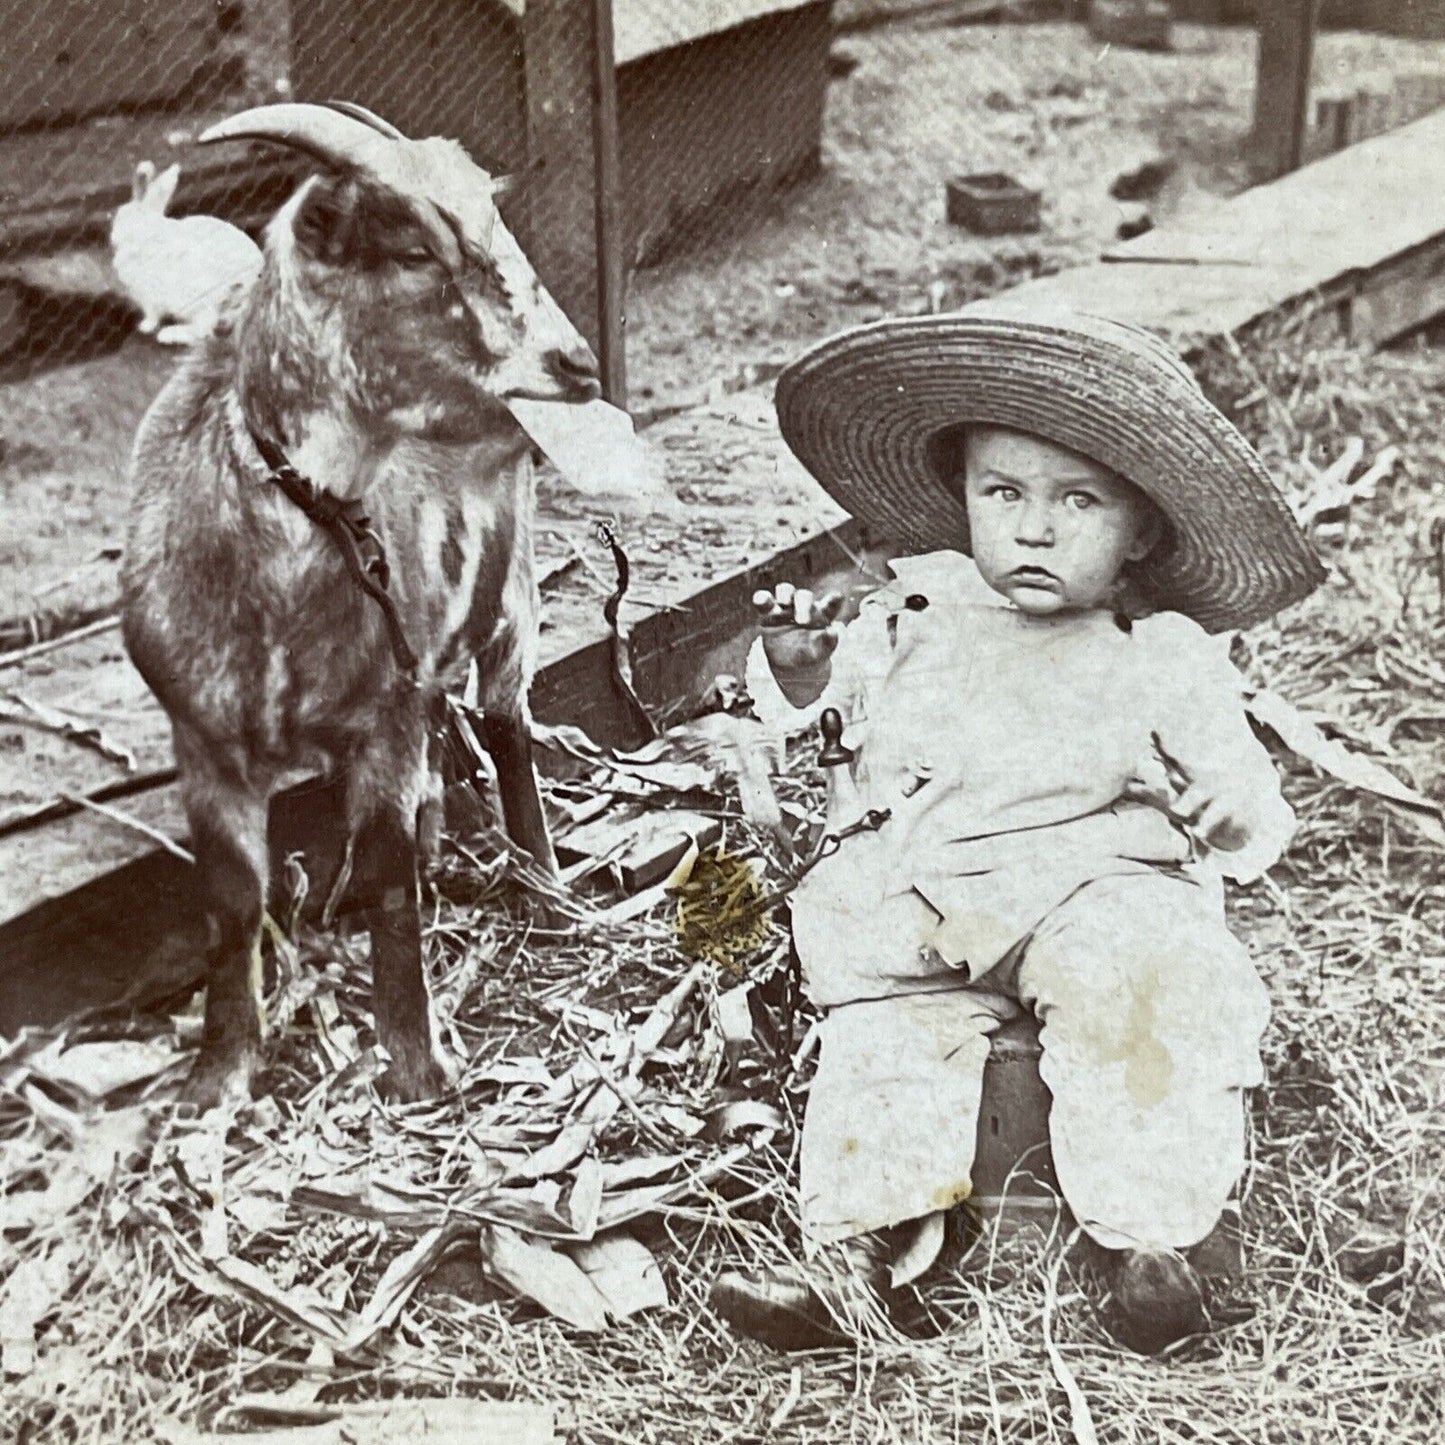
217	1079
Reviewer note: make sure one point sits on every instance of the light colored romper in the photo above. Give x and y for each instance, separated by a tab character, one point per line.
1028	860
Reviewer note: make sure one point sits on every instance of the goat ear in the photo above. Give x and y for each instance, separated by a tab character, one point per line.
326	224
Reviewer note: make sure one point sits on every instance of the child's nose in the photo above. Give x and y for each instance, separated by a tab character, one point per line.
1036	525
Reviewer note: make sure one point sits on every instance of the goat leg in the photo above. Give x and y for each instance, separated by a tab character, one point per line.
386	878
509	740
228	837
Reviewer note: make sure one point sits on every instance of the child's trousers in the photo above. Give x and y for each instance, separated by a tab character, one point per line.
1151	1015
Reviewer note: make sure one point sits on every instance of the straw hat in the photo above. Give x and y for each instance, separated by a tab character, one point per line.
876	414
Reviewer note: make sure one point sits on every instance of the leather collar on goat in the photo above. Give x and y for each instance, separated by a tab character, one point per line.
343	520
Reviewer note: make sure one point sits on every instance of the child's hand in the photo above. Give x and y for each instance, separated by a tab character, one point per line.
1215	813
800	635
1214	810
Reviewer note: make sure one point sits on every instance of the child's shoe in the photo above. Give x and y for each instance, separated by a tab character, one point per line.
807	1307
1158	1299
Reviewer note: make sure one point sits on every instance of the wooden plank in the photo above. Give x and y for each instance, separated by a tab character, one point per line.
1401	297
1307	240
645	27
245	190
610	223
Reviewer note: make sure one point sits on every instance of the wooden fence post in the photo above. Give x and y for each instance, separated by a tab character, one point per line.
611	223
1282	85
568	224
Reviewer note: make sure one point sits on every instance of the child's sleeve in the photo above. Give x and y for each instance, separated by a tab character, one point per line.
858	665
1203	728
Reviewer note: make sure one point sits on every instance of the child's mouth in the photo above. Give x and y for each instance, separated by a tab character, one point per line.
1034	577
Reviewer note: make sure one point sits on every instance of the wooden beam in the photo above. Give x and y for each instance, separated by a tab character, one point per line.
556	217
1282	85
611	226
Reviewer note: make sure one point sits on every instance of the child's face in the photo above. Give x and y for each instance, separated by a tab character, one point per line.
1051	530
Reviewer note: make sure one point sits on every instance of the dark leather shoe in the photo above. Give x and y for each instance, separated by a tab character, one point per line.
808	1307
1158	1300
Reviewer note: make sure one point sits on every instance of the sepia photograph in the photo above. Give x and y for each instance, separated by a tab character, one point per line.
722	721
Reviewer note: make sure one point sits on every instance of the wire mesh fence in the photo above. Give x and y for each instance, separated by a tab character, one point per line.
759	145
778	169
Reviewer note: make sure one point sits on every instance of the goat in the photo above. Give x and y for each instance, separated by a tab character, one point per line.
393	319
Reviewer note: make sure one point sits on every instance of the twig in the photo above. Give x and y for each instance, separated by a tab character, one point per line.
22	655
604	1075
62	724
65	806
134	824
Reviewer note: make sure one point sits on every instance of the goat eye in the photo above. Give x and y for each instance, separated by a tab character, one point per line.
413	256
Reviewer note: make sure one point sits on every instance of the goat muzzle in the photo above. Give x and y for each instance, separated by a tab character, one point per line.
575	369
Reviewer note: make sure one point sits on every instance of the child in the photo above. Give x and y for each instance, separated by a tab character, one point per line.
1067	769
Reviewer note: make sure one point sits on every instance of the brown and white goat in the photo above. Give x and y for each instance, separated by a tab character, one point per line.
393	318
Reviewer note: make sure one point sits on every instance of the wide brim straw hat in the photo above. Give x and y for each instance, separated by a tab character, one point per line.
876	413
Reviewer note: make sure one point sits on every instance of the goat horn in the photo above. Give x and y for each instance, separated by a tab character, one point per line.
366	117
332	136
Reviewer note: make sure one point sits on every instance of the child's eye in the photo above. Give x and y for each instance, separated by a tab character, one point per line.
1081	501
1003	492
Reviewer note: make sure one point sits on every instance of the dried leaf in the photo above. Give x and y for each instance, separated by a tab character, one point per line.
585	1199
565	1150
384	1423
1304	737
1081	1418
735	1014
596	449
791	1397
638	1171
554	1281
100	1068
509	1072
34	1287
624	1272
623	1208
655	1027
229	1277
678	1118
98	1146
740	1115
566	739
397	1284
680	777
524	1211
257	1213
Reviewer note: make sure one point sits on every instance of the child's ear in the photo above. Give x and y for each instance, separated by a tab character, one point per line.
1148	533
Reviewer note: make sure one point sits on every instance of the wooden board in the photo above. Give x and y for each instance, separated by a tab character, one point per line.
1314	238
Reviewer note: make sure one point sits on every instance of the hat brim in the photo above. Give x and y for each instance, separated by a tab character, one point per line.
863	412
